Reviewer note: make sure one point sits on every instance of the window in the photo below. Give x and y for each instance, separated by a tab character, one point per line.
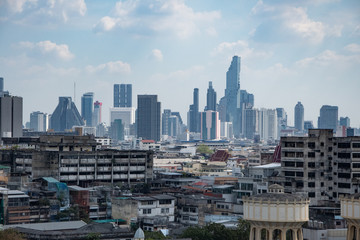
289	164
311	165
356	145
330	149
289	174
311	184
311	154
356	155
311	174
149	211
322	184
185	217
311	194
322	144
144	211
344	155
311	145
164	201
343	145
299	164
344	185
344	175
164	210
299	174
344	165
299	184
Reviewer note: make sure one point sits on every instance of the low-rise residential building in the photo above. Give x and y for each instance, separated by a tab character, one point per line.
192	209
144	207
15	207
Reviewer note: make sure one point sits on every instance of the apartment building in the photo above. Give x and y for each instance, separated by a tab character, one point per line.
320	165
76	161
14	207
149	210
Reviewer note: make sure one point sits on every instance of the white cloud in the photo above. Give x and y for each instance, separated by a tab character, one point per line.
157	55
286	20
355	48
327	58
43	11
159	16
110	67
240	48
47	48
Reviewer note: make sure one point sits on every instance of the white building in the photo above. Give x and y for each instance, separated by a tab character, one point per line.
126	114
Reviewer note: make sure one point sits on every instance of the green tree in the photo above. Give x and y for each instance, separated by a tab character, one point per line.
154	235
196	233
11	234
204	149
243	230
93	236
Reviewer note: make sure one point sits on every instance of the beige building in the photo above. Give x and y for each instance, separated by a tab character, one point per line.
350	210
276	215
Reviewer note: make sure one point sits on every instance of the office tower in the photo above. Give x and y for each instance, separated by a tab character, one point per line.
127	116
117	130
122	95
299	116
65	115
282	118
39	121
308	125
226	130
232	88
345	121
250	122
174	126
1	84
194	116
148	117
87	108
210	125
328	117
97	113
210	98
246	102
11	110
165	122
267	124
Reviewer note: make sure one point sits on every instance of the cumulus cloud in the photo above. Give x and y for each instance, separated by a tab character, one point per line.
240	48
110	67
287	21
327	58
159	16
42	12
47	48
355	48
157	55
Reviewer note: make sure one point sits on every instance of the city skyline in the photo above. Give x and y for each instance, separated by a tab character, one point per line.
290	52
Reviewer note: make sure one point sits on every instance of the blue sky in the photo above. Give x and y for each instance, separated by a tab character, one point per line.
291	51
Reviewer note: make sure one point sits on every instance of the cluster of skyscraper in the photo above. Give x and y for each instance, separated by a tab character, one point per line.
234	116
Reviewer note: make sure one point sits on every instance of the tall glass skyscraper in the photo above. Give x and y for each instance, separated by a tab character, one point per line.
122	95
232	89
97	113
87	101
299	116
328	117
194	115
148	117
210	98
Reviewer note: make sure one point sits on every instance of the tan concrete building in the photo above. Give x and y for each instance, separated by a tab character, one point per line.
276	215
350	210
